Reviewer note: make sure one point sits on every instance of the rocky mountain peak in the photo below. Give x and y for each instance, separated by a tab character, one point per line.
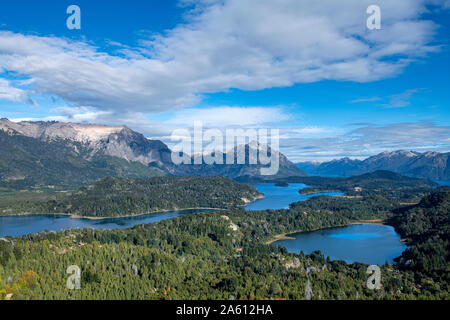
117	141
50	130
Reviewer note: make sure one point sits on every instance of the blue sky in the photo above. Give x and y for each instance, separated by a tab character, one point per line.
310	68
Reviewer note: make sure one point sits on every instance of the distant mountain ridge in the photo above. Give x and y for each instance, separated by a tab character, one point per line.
429	165
286	167
74	154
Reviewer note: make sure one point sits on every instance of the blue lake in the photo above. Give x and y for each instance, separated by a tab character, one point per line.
281	197
367	243
371	244
275	198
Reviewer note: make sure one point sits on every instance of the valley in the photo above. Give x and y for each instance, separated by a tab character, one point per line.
201	255
153	230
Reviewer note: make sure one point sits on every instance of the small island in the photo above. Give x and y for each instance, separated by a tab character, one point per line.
282	184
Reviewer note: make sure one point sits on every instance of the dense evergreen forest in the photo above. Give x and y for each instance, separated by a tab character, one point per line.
112	197
224	255
427	227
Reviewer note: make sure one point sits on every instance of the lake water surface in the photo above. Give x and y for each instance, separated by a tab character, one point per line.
22	225
367	243
281	197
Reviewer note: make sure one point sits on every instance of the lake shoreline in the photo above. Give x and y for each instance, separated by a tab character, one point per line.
75	216
318	192
380	222
288	236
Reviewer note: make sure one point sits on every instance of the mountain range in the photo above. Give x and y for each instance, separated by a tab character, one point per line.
429	165
74	154
286	167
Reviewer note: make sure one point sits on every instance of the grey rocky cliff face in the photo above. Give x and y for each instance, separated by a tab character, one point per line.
118	141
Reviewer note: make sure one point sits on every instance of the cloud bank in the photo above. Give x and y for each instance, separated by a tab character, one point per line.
370	139
243	44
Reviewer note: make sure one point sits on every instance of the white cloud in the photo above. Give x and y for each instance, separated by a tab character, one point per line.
401	100
240	44
79	114
230	116
370	99
10	93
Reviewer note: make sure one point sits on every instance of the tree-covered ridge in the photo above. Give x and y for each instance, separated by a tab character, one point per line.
426	226
219	255
386	183
113	197
429	217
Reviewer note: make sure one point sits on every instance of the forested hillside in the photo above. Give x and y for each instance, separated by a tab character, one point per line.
112	197
29	163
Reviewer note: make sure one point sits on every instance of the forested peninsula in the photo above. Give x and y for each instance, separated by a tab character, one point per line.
118	197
